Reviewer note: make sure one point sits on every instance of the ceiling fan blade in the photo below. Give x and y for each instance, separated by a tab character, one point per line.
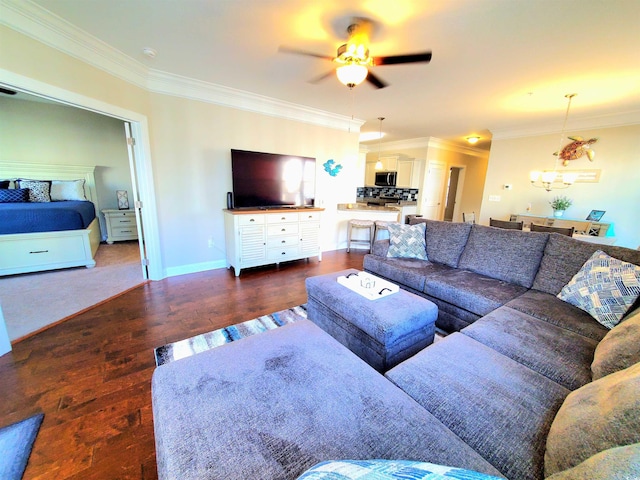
396	59
375	81
296	51
6	91
319	78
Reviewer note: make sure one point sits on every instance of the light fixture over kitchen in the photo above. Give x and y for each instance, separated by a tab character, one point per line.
548	179
379	162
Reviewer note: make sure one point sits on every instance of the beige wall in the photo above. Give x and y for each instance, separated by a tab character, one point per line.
192	160
618	192
37	132
190	143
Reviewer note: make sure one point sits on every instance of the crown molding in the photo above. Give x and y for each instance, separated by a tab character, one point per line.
577	123
34	21
178	86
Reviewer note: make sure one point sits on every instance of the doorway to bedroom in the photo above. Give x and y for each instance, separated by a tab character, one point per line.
68	135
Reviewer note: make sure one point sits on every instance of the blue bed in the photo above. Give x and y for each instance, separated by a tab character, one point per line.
45	217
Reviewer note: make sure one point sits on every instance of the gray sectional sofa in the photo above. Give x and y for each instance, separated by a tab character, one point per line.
525	386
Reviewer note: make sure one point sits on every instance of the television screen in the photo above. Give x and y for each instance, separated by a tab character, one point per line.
268	180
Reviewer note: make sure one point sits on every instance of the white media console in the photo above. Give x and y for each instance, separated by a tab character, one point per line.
263	237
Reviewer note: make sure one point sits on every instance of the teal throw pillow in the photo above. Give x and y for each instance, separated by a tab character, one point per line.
605	288
407	241
388	470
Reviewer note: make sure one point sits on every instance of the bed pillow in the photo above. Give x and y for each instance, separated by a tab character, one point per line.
388	470
67	190
14	195
4	184
604	287
619	349
39	190
407	241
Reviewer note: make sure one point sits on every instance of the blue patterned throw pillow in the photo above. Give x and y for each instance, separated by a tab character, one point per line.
14	195
388	470
407	241
605	288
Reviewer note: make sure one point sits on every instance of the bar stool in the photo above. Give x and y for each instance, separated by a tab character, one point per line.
353	223
379	226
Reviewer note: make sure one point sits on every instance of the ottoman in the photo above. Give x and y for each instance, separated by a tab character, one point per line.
382	332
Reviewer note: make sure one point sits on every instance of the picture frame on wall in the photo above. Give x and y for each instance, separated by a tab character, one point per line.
123	199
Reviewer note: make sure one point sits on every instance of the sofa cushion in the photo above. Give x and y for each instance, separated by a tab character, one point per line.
509	255
407	272
551	309
445	240
407	241
619	463
500	408
388	470
271	406
468	290
604	287
560	355
619	349
564	256
598	416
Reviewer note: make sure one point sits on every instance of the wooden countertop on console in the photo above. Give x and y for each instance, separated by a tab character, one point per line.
253	211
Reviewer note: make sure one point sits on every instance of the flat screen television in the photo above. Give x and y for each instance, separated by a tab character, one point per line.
269	180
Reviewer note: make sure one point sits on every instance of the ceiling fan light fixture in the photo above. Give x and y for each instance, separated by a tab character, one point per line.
351	74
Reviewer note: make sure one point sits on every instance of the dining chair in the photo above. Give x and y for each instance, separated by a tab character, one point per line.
505	224
568	231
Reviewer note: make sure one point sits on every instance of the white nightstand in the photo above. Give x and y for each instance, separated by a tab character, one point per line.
121	225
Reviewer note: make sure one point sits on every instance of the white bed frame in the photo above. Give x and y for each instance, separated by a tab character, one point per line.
35	252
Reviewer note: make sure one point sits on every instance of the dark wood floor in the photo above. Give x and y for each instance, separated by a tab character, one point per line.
91	374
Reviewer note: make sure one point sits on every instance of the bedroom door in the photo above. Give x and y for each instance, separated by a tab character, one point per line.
137	204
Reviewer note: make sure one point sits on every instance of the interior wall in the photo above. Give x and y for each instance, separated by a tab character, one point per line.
38	132
617	193
193	157
190	143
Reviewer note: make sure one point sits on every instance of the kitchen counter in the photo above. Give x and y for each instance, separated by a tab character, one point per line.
363	207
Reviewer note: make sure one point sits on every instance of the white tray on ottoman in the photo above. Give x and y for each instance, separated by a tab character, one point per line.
384	332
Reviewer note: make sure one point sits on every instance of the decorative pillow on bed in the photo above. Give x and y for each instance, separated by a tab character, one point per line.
388	470
407	241
4	184
14	195
38	190
605	288
67	190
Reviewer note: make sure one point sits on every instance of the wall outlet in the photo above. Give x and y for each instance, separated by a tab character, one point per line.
212	243
494	198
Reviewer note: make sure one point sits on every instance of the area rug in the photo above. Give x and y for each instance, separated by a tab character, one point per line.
206	341
16	441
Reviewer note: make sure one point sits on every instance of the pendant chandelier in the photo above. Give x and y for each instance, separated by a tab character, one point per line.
379	162
552	179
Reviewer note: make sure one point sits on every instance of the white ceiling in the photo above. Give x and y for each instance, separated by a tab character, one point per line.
498	65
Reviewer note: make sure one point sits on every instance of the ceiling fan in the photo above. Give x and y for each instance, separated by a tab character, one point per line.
353	60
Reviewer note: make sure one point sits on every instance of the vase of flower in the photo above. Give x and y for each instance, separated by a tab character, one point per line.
559	205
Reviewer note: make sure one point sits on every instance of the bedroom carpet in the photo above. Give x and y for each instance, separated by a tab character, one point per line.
31	301
16	441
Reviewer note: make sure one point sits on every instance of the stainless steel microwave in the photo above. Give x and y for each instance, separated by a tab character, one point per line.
386	179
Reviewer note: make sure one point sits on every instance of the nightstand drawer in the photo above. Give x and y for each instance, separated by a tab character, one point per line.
131	232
